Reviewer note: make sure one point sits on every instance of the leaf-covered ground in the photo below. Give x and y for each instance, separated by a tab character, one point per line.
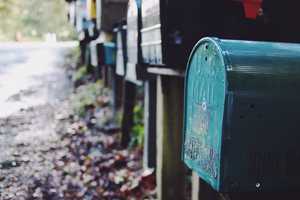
79	159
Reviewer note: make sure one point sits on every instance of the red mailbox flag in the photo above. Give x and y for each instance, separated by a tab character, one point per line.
252	8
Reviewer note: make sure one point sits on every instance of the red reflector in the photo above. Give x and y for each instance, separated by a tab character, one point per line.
251	8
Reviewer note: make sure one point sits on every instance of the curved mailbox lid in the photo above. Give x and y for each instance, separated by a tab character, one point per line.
219	72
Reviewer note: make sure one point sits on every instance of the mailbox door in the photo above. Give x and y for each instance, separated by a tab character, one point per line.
204	108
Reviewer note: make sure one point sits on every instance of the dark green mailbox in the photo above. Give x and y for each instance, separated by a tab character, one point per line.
242	107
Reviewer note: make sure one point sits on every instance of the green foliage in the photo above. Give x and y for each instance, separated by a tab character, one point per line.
87	95
32	19
80	73
137	138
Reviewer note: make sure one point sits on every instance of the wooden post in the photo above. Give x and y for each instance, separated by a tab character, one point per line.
170	169
117	91
89	67
201	190
104	72
149	158
129	94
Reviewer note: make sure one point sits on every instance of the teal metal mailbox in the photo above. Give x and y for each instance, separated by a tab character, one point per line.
109	53
102	53
242	108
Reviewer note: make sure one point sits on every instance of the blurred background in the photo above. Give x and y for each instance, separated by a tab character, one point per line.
34	20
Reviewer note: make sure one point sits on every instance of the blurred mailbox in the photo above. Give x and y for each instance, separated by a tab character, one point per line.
121	58
241	125
91	9
103	53
133	40
171	28
110	12
94	45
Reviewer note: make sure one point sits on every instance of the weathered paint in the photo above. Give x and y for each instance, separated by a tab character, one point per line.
205	100
241	115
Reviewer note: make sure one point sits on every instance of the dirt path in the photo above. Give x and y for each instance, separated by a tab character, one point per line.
33	86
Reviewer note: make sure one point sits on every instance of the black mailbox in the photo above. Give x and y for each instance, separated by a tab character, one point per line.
110	12
171	28
241	125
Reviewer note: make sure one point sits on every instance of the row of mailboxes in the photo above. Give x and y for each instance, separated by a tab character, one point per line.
241	125
162	32
241	101
171	28
106	13
167	30
128	39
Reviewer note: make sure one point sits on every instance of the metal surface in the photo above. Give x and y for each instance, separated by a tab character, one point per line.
241	128
110	12
170	29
